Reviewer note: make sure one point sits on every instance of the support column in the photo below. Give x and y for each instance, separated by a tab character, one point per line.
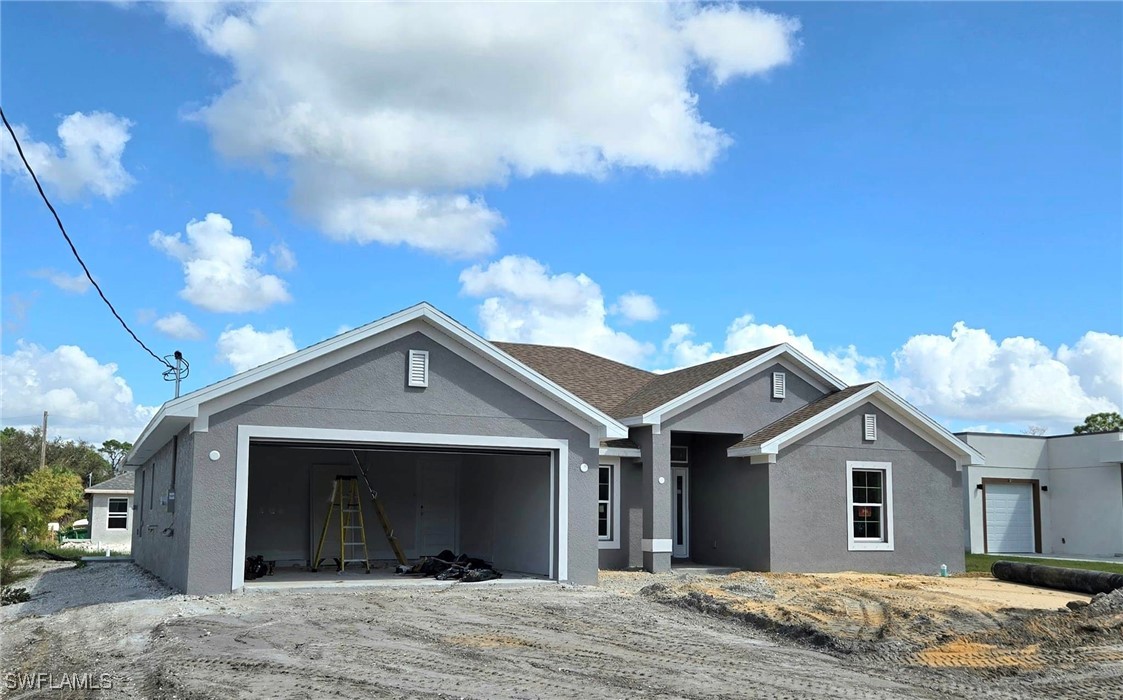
655	451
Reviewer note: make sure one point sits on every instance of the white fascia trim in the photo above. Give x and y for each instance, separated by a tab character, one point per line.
246	433
121	492
880	395
796	363
632	452
656	546
304	362
614	542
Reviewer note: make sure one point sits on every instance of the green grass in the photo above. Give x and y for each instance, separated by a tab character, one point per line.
982	562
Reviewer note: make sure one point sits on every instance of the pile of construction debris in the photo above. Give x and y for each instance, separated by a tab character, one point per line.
447	566
914	620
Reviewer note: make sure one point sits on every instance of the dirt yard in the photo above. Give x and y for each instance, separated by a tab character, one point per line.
690	634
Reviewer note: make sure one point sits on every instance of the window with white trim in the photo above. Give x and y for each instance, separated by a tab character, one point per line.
779	385
869	505
118	514
605	499
680	454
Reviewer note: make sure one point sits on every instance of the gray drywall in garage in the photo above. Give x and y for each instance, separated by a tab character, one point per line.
505	511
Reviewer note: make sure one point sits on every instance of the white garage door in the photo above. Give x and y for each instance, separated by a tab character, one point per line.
1009	518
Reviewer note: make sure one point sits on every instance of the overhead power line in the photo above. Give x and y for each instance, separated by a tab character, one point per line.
74	250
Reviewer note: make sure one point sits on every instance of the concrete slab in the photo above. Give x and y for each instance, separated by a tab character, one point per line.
288	579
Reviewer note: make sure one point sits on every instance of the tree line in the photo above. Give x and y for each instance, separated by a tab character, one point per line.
33	497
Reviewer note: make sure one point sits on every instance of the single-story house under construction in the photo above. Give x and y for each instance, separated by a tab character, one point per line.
547	461
1056	494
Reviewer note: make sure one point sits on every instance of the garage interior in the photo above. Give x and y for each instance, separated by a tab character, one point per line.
496	505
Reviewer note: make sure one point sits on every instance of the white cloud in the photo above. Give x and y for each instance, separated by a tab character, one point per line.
75	284
455	226
388	115
636	307
177	325
1097	359
245	348
734	41
526	303
220	269
967	375
744	334
85	399
283	257
90	161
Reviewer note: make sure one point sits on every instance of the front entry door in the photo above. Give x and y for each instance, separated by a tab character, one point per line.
680	512
436	507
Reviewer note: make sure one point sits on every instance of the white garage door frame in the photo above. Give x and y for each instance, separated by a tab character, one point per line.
1035	506
559	477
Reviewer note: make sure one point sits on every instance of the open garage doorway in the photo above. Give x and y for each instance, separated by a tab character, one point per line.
496	504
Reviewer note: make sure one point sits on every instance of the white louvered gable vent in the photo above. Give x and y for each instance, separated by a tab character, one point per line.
779	385
869	423
418	369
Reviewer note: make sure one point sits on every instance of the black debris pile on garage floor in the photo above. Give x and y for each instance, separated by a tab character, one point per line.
447	566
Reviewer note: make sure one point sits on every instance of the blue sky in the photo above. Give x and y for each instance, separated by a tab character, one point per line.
855	178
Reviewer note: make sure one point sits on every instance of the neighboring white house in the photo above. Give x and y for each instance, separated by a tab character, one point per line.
1059	494
111	512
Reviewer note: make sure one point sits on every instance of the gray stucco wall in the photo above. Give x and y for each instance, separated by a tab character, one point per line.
161	533
655	453
746	406
729	506
369	393
807	497
630	553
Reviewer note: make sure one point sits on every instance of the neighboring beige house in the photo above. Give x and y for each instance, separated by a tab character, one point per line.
111	512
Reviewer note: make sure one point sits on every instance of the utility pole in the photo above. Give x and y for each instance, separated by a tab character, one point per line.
43	443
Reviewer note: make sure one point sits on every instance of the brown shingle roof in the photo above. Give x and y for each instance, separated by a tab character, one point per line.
121	482
620	390
798	417
665	387
602	382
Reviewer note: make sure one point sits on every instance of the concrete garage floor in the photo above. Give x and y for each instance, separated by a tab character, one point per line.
295	578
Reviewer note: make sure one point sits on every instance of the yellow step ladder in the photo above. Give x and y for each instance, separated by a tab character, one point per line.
345	499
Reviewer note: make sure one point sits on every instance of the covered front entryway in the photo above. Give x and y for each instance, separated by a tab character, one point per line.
1010	516
499	503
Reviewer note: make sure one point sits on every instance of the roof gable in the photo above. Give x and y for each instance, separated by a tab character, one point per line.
666	387
194	409
774	437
